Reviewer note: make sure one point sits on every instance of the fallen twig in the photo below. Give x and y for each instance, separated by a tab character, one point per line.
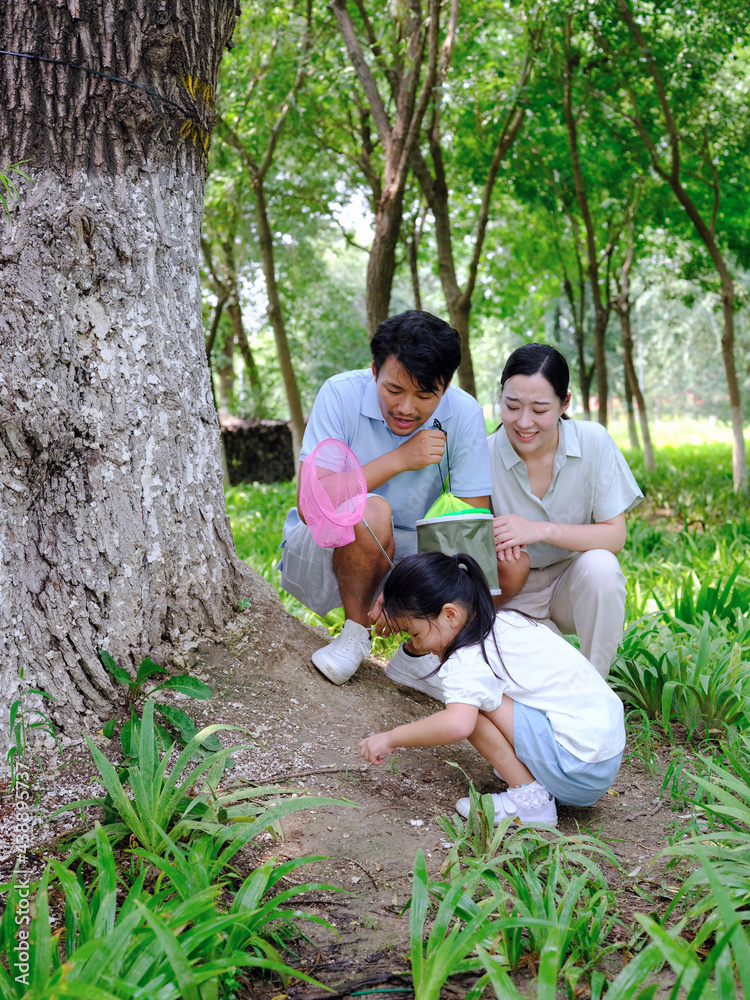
645	812
362	867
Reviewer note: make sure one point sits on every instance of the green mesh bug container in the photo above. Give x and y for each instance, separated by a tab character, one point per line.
452	526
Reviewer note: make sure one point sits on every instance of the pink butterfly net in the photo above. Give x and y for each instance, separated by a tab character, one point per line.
333	494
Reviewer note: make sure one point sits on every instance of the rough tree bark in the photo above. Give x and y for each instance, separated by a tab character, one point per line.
115	533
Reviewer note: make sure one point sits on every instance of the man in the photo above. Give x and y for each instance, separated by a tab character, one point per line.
385	415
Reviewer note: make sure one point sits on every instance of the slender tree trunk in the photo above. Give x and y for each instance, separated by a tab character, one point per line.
381	265
578	315
115	533
226	375
253	374
459	306
635	389
622	306
635	442
415	239
276	318
231	288
435	188
601	313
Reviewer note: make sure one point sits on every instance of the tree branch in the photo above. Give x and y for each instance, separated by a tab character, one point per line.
362	70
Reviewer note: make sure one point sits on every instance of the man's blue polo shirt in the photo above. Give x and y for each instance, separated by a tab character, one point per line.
347	408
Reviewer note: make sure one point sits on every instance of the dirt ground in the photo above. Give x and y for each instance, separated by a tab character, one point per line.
305	733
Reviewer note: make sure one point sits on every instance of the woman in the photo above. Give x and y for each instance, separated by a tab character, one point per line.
561	489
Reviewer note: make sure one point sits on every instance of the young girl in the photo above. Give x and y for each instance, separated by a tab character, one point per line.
529	702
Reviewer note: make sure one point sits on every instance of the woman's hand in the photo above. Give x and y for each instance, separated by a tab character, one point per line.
512	532
376	748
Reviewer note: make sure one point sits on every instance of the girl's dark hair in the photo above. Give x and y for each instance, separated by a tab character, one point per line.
420	585
539	359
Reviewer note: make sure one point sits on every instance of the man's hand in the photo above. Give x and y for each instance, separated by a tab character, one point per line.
376	748
426	447
378	619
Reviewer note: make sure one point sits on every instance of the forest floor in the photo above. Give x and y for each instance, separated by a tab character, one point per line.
305	734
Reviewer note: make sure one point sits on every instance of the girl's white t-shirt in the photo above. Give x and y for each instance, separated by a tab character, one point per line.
539	669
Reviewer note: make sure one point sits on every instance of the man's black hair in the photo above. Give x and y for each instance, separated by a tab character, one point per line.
427	347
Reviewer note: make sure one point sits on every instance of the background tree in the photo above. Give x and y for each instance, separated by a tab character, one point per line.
222	244
115	533
494	63
406	65
678	99
255	114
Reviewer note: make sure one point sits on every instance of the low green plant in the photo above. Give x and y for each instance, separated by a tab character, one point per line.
23	722
714	977
266	925
672	668
459	925
8	190
138	691
641	740
721	797
168	804
478	845
145	946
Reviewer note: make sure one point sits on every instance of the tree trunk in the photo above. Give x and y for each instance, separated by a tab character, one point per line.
622	306
435	190
115	534
256	383
635	441
415	238
601	312
381	265
234	308
276	318
398	138
578	314
226	375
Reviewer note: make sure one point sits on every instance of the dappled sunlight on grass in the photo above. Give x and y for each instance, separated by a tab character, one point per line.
681	430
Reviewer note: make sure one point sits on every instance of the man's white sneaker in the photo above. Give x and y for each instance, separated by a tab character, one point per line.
339	660
527	806
411	671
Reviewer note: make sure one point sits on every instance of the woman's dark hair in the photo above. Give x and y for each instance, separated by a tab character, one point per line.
539	359
420	585
425	345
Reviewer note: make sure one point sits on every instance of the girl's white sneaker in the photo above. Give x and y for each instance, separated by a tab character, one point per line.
527	806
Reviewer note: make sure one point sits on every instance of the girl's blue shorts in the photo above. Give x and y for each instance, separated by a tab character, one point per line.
573	782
